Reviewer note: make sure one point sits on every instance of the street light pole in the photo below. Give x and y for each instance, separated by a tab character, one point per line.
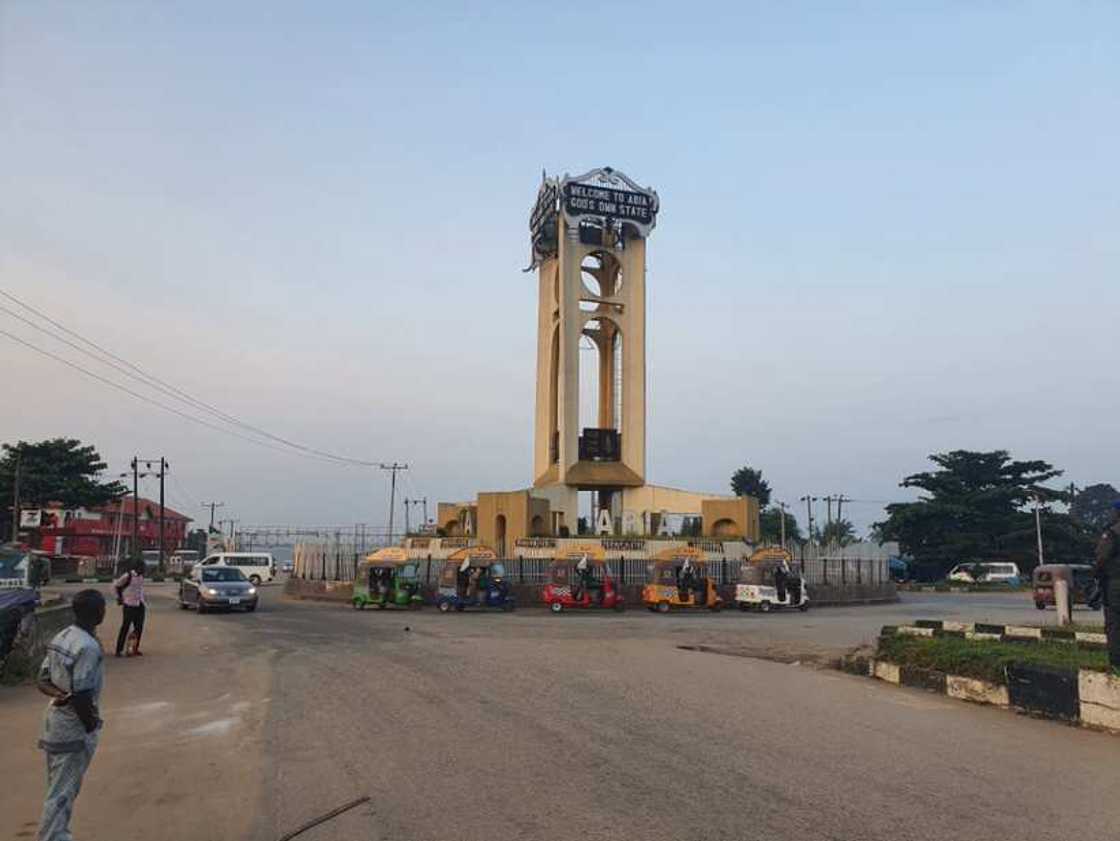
1038	529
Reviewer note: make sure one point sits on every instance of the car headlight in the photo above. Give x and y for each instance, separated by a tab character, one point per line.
210	591
252	591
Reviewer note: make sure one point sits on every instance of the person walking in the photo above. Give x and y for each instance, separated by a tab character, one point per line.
1108	573
130	594
72	674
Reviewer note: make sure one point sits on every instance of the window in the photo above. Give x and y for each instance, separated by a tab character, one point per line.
223	574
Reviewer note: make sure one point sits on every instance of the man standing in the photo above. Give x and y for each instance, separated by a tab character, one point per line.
1108	571
72	674
130	594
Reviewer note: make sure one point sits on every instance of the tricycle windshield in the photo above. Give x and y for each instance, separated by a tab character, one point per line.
498	570
408	572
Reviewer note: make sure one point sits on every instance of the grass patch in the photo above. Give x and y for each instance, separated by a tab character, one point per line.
986	659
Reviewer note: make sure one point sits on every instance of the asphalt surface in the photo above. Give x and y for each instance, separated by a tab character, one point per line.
532	726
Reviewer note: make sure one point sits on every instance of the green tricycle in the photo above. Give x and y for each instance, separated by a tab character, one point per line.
388	579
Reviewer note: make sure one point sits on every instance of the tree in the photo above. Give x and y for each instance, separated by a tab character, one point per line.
840	532
1092	506
976	508
746	481
770	524
59	470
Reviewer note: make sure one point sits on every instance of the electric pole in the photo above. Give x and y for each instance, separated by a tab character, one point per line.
15	499
782	508
162	473
135	513
393	468
1038	528
809	499
424	502
407	528
212	506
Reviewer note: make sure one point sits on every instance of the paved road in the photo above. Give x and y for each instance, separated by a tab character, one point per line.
530	726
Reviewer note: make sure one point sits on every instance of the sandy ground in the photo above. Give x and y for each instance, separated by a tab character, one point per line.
532	726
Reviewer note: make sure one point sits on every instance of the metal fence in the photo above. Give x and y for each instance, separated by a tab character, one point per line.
832	566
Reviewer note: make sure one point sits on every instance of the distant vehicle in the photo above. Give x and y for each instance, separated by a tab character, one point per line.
182	560
474	578
576	582
151	560
388	579
680	580
1084	589
207	588
257	566
287	567
768	581
993	573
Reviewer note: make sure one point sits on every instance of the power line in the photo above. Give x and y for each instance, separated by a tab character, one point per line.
150	400
152	381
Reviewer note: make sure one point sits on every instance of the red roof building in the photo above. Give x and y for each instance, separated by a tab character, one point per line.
93	532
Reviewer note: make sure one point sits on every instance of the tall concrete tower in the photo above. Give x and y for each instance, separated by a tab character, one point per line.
589	248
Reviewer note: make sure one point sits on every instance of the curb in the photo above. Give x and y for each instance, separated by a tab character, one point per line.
1083	697
1001	633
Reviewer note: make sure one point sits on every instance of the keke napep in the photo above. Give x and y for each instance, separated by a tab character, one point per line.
474	577
678	578
387	578
579	578
768	581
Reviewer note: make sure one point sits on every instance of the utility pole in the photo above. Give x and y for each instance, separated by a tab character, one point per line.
212	506
424	502
135	512
407	528
1038	528
393	468
162	473
840	500
15	498
809	499
782	507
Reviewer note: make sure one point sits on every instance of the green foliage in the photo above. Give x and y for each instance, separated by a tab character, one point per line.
746	481
59	470
840	532
986	659
975	508
770	523
1092	506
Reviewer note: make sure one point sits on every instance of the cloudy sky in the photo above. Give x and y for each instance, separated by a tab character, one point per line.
885	232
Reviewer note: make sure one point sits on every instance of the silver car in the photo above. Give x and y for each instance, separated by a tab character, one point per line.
207	588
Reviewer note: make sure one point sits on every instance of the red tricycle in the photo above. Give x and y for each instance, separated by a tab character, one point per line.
581	580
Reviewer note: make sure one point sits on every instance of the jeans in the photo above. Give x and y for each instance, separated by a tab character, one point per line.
64	781
134	617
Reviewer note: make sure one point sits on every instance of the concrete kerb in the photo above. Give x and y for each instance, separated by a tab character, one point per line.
1083	697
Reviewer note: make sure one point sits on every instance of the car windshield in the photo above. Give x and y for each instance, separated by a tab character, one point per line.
222	574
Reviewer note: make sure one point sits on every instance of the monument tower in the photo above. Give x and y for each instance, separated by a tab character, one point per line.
589	249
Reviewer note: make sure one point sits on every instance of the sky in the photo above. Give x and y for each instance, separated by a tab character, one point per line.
886	230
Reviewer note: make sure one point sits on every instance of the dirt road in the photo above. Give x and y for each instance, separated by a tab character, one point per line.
530	726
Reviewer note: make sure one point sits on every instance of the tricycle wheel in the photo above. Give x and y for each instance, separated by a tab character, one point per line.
804	606
743	606
662	607
509	606
556	607
765	607
619	606
1040	605
444	606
